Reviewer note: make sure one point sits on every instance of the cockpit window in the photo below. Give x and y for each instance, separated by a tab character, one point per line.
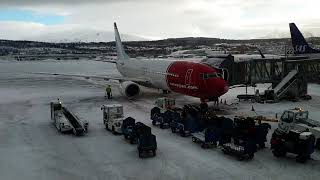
210	75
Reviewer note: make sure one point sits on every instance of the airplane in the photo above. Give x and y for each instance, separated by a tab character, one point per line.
183	77
299	44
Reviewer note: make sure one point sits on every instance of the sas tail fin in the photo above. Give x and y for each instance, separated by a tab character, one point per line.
299	43
120	50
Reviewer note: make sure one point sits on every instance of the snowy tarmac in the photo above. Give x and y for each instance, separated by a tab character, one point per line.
32	148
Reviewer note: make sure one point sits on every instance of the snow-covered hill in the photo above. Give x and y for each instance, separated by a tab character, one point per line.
82	35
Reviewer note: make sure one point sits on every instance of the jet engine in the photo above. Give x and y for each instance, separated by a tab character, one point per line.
130	89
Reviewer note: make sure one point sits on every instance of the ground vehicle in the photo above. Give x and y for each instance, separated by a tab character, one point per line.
207	138
113	117
297	118
242	149
245	128
162	113
66	121
294	141
59	120
180	124
78	127
128	129
147	142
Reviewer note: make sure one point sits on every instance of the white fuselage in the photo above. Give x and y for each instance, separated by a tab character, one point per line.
153	71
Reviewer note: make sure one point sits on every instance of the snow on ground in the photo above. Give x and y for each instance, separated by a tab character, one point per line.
31	147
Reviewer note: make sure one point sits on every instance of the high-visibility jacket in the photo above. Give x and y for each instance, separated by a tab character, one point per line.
108	90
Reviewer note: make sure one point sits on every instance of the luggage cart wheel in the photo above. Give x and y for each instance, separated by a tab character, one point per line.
251	156
241	158
161	125
225	151
204	145
140	154
262	145
173	130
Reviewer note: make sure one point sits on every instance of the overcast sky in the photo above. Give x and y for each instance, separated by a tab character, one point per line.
156	19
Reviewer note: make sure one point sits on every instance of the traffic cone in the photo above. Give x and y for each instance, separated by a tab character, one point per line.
252	109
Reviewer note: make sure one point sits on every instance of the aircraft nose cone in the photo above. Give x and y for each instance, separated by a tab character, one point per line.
220	86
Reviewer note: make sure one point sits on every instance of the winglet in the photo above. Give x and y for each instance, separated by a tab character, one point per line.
120	50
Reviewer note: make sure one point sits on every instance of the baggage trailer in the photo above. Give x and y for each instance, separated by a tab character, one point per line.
180	124
161	114
243	151
129	130
245	128
66	121
208	138
147	143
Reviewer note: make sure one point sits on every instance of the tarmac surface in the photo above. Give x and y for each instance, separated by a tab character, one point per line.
32	148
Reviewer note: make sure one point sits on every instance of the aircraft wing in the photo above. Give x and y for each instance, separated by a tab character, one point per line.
107	61
107	78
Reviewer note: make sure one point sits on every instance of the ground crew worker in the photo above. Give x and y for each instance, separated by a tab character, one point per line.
109	92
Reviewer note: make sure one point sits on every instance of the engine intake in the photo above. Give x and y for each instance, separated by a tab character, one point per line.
130	89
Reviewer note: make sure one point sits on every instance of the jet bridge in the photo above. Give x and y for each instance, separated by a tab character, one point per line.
289	76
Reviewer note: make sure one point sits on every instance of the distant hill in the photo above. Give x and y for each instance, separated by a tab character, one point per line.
184	42
83	36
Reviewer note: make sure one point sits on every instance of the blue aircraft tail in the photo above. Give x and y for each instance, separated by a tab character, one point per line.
299	44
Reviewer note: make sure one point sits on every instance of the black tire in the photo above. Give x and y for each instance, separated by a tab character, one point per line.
278	153
107	128
182	133
113	131
140	154
194	139
131	141
154	123
301	159
173	130
318	144
161	126
262	145
125	136
154	153
204	145
251	155
241	158
225	151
